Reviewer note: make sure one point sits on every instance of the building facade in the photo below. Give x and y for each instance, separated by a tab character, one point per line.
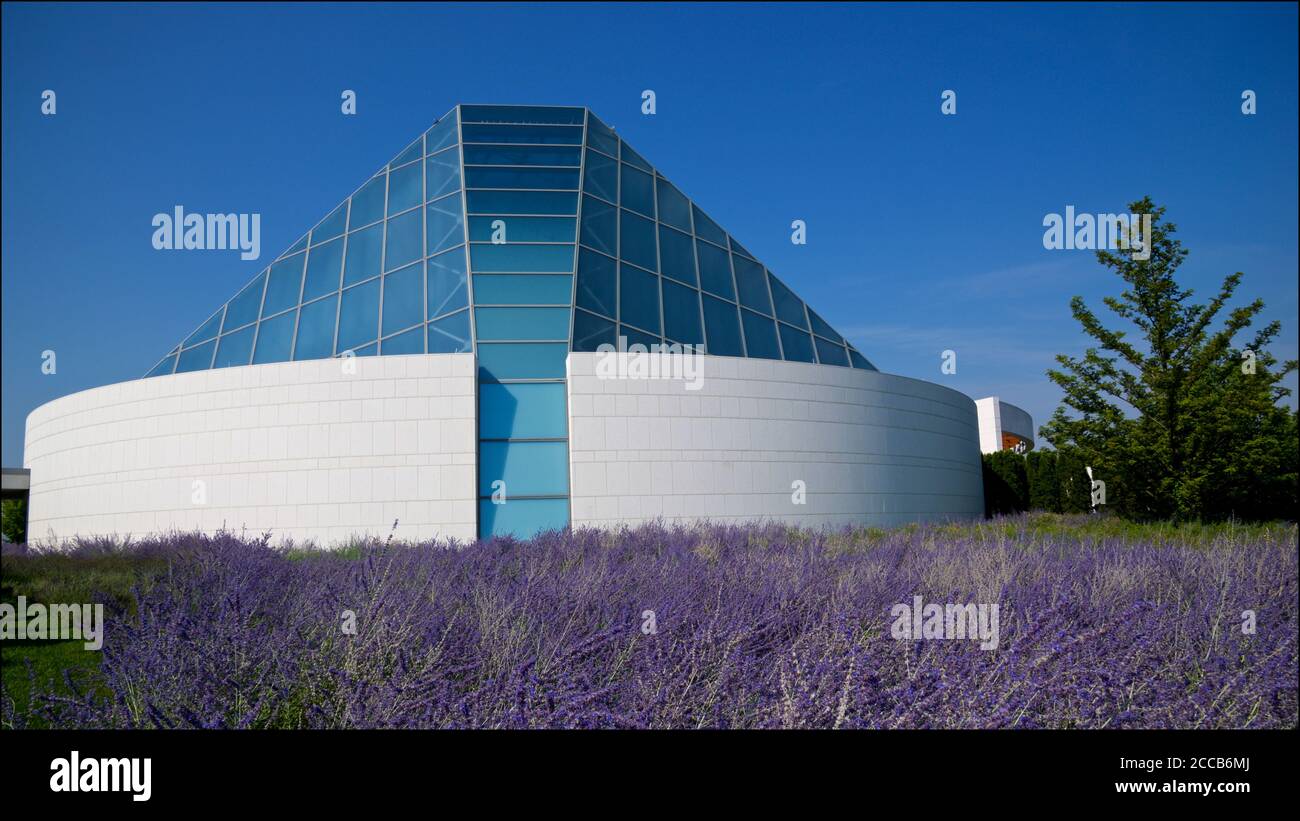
1003	426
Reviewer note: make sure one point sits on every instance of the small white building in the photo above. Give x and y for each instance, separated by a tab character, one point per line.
1003	426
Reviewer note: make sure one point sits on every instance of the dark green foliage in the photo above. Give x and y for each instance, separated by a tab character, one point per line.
1044	490
1180	421
1006	489
13	520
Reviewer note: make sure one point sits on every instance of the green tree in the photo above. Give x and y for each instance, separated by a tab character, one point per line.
1006	489
1044	489
1174	424
13	520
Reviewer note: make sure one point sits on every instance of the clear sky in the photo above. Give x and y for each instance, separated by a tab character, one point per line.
924	230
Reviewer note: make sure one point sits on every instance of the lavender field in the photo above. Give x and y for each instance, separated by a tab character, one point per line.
1101	625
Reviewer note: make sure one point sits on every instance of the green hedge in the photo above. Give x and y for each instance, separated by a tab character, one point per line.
1051	481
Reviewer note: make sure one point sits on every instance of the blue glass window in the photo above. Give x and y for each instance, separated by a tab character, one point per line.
638	191
446	287
723	326
410	342
706	228
630	156
860	361
523	229
682	314
521	360
446	227
676	255
235	349
590	332
442	174
523	155
413	152
450	334
365	252
738	248
635	337
367	204
797	345
789	308
639	298
674	208
324	267
500	177
529	410
822	328
403	300
535	134
196	359
527	468
760	336
552	115
332	226
164	367
524	259
441	135
404	243
715	269
405	189
296	247
243	308
751	279
596	284
275	339
637	241
599	226
316	329
522	518
601	177
522	202
206	331
522	323
522	289
828	353
601	137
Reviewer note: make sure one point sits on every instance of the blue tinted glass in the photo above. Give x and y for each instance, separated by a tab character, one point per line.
162	368
630	156
635	337
523	155
601	137
316	329
522	202
413	152
522	229
596	283
358	316
522	289
820	326
542	324
441	135
324	267
828	353
275	339
789	308
332	226
404	243
797	345
723	328
541	135
590	332
715	269
601	177
450	334
296	247
403	299
243	308
673	207
522	518
751	279
513	360
760	336
206	331
196	359
708	229
442	174
739	249
367	204
682	314
405	189
554	115
446	227
493	177
409	342
522	259
235	349
446	286
527	468
676	255
365	251
638	191
637	238
284	285
599	226
639	298
531	410
372	349
860	361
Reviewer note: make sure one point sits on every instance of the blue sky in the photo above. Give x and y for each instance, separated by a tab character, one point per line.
924	231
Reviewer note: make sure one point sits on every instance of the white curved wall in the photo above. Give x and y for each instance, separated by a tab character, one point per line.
302	449
871	448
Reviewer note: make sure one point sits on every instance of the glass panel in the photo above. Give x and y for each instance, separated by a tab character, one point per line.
521	323
405	189
367	204
682	314
789	308
530	410
206	331
404	243
599	226
715	269
163	368
639	298
521	258
597	288
522	289
821	327
527	468
522	518
332	226
676	255
630	156
403	300
601	137
404	343
442	174
284	285
446	227
359	316
738	248
446	286
523	155
760	336
638	191
450	334
723	326
523	229
494	177
590	332
296	247
555	115
674	208
196	359
413	152
797	345
635	337
860	361
828	353
520	360
601	177
235	349
243	308
372	349
751	279
707	228
637	238
365	251
316	329
522	202
275	339
324	268
542	135
441	135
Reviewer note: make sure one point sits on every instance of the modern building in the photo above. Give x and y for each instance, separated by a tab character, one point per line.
1004	426
430	354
